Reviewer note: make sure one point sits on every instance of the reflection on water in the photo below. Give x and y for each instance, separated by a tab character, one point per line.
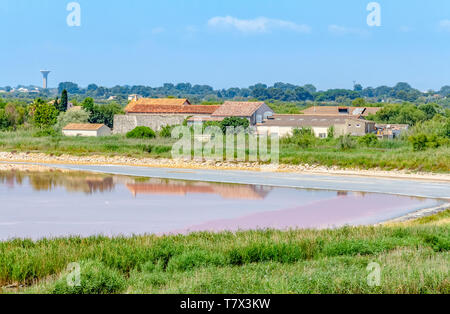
59	203
89	184
47	181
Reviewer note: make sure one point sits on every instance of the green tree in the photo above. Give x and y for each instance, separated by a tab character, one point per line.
234	122
88	104
105	113
64	101
71	116
418	141
4	121
45	114
359	102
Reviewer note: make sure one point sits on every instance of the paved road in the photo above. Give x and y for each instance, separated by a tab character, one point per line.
407	187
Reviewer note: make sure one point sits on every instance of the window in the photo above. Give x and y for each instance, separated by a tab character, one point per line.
322	135
358	125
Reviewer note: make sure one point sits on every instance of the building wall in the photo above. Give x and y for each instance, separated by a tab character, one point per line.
87	133
126	123
103	131
284	131
260	112
359	128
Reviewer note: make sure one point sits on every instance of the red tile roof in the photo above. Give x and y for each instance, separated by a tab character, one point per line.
83	126
167	105
237	109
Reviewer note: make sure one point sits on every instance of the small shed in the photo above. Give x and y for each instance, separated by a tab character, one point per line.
86	129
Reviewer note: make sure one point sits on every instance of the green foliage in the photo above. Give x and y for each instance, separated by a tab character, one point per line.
359	102
166	131
400	114
102	114
331	132
3	103
303	138
95	278
141	132
234	122
4	121
269	261
47	132
71	116
346	142
88	104
368	140
439	126
45	114
422	141
64	101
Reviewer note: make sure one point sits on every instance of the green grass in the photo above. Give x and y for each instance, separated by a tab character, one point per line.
413	259
115	145
387	155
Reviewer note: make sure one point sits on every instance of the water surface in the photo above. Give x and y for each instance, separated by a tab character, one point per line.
55	204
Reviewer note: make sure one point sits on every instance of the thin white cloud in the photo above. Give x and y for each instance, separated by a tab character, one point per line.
343	30
445	25
257	25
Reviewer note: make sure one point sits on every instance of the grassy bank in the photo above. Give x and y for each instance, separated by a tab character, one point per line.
413	258
385	154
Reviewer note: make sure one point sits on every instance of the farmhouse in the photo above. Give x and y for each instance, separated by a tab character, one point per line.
157	113
86	129
319	124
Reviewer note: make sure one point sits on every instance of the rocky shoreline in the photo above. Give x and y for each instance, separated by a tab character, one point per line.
18	157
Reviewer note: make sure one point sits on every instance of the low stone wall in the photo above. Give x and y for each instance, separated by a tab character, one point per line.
126	123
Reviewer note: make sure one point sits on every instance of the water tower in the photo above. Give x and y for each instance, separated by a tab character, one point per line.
45	76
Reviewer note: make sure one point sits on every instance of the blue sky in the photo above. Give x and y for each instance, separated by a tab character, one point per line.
226	43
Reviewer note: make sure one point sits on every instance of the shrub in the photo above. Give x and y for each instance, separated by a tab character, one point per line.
45	133
141	132
234	122
71	116
346	142
368	140
95	278
422	141
166	131
301	137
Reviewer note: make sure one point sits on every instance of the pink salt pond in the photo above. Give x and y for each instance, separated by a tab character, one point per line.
55	204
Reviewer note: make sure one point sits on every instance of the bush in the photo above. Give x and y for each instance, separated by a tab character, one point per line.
422	141
301	137
95	278
71	116
45	133
141	132
368	140
346	142
166	131
234	122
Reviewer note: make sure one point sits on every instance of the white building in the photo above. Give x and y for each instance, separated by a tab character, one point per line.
86	129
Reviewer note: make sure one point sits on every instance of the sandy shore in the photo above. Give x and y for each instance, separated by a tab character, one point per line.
182	164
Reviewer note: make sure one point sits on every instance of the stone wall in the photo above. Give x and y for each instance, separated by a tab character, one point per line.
126	123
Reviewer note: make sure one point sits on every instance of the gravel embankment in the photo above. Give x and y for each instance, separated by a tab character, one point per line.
6	157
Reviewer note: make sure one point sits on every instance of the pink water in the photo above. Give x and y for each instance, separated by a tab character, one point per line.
54	204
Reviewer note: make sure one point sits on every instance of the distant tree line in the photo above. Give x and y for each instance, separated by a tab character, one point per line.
277	92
